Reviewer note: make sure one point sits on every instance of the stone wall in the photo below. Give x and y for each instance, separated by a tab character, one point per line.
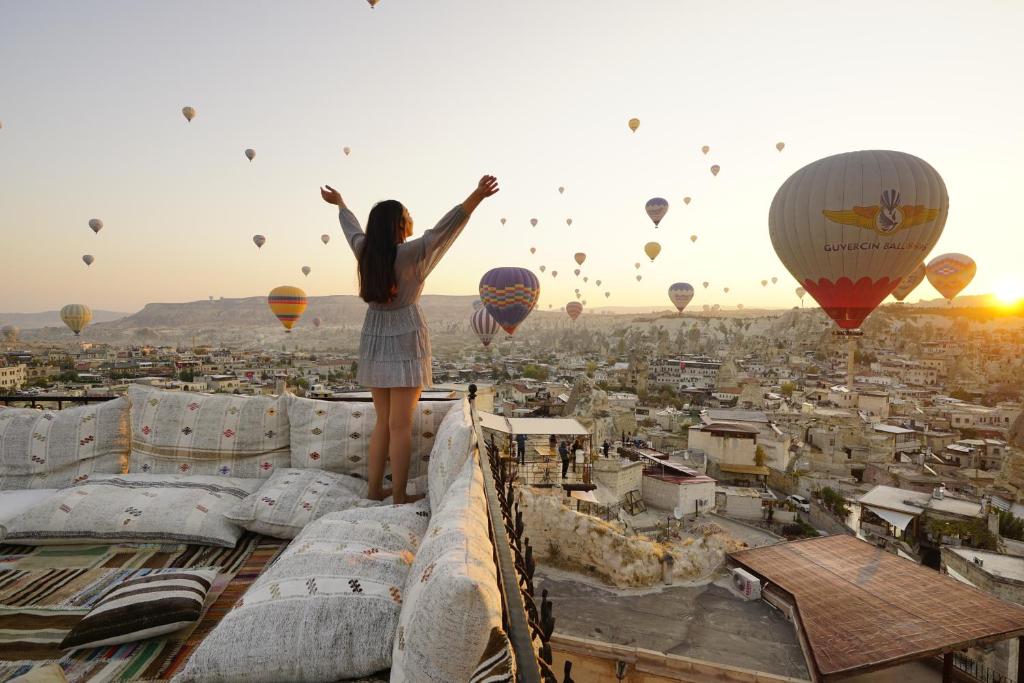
1010	590
616	476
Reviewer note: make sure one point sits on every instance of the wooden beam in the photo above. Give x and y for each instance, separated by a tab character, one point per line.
947	667
1020	658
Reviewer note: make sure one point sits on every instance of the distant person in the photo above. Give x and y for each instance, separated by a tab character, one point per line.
577	453
394	349
521	448
563	452
605	447
552	444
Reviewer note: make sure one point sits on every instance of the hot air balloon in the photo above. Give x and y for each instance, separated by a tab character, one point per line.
288	304
637	265
739	307
477	305
533	222
317	322
652	249
950	273
800	291
607	295
306	270
96	224
597	282
88	259
10	333
584	278
484	326
554	273
725	289
76	316
580	257
715	307
687	200
509	295
705	149
681	293
576	272
584	302
715	169
706	307
849	227
259	241
693	238
775	280
574	308
325	238
780	146
634	124
561	190
639	278
764	283
533	250
568	221
346	150
705	284
656	209
909	283
542	269
189	113
373	3
250	154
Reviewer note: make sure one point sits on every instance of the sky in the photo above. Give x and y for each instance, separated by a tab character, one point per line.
431	95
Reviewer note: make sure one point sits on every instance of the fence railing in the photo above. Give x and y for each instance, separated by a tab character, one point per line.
978	671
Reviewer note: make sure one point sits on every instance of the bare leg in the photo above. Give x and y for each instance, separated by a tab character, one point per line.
379	441
403	404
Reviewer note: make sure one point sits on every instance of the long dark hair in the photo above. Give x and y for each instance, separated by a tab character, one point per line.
385	230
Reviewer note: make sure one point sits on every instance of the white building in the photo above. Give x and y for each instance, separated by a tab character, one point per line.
688	372
11	377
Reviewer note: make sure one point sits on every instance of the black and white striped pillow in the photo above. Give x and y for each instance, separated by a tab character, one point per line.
143	608
497	665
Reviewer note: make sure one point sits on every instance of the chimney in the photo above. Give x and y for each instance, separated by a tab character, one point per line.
280	387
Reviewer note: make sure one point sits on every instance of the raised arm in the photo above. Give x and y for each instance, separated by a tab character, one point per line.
349	223
436	241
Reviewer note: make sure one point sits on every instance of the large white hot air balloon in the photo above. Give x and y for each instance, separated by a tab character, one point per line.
656	209
681	293
850	227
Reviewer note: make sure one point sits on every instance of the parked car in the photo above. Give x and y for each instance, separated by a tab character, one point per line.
800	503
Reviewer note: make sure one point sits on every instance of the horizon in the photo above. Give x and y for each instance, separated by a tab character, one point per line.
480	88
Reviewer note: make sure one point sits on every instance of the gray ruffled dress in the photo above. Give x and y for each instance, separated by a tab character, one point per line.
394	349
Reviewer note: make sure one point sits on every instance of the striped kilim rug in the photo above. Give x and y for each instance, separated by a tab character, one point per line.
46	590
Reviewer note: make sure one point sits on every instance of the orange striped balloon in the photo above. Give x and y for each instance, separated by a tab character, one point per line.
288	303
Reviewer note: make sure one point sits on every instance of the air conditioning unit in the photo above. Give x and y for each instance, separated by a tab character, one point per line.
748	585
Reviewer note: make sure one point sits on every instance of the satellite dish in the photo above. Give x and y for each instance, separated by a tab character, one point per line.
677	513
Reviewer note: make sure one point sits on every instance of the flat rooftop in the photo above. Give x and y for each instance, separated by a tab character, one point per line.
863	609
998	565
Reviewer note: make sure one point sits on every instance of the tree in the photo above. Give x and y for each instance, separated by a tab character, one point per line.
536	372
787	389
187	376
68	376
1011	526
302	383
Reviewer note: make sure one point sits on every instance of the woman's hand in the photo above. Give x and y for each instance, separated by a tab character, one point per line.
331	196
487	187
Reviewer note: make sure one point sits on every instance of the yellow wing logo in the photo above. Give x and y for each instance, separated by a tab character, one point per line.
887	218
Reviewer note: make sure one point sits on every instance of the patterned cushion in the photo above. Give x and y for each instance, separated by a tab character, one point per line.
498	662
327	609
52	448
293	498
335	436
455	438
451	595
149	606
135	508
181	432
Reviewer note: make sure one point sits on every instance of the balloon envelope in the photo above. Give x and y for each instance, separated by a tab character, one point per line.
533	222
477	305
509	294
576	272
88	259
346	150
634	124
715	169
705	284
503	221
693	238
775	280
259	240
188	112
76	316
325	238
705	149
580	257
306	270
533	250
484	326
288	304
96	224
568	221
652	249
687	200
800	291
849	227
656	209
317	322
574	308
561	190
10	332
780	146
909	283
250	154
681	293
950	273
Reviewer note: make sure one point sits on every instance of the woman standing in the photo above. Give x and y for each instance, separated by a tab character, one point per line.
394	349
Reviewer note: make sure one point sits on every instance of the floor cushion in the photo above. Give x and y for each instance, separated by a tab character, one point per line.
181	432
135	508
48	449
146	607
326	610
47	673
292	498
498	662
13	503
451	595
335	435
455	438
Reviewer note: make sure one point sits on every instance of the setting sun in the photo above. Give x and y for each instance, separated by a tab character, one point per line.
1010	292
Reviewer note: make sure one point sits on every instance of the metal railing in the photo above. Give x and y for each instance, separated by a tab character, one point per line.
979	671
